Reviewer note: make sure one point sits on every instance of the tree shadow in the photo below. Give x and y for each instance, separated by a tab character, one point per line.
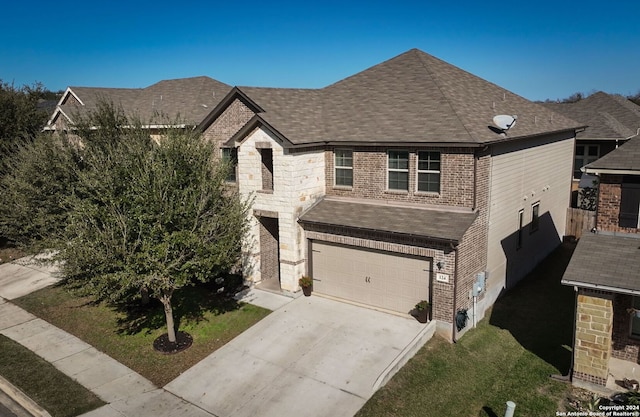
539	311
488	411
190	304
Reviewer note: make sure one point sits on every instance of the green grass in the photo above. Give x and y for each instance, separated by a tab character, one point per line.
127	333
508	357
51	389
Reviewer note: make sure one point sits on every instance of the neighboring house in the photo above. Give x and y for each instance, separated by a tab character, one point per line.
392	186
605	272
612	120
169	103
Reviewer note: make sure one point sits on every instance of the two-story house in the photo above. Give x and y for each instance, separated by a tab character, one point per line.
612	120
179	103
394	186
605	272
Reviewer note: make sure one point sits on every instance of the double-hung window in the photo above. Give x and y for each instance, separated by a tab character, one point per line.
398	170
429	171
344	167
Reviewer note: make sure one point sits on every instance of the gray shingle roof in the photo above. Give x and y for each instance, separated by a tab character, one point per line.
187	99
411	221
609	116
625	158
413	97
606	262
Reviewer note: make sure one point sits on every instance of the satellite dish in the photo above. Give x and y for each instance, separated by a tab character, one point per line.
504	121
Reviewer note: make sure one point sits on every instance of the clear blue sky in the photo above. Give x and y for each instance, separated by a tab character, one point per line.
543	49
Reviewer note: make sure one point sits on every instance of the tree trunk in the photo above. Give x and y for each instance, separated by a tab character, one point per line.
168	313
144	293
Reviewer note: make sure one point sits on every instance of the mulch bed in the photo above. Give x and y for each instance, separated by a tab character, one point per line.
164	346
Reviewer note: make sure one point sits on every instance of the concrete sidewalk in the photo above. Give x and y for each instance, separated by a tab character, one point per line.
126	392
312	356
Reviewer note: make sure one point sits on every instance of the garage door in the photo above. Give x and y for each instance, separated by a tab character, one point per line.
376	278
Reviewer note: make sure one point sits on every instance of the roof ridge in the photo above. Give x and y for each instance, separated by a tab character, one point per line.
421	57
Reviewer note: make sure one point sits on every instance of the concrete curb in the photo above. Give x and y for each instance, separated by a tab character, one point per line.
407	353
21	398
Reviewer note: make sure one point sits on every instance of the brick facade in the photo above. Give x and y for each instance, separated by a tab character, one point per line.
370	177
608	211
473	248
302	176
624	346
229	122
592	379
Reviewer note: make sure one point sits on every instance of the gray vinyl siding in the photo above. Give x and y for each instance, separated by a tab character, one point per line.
522	174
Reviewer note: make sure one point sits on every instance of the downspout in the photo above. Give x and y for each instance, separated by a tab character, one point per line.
575	325
475	182
455	293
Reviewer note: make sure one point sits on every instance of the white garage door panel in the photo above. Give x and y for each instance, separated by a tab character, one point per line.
395	282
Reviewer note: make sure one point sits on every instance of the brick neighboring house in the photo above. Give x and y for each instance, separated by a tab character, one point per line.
392	186
168	103
605	271
611	119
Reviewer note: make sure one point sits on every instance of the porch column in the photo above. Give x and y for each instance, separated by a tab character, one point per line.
594	324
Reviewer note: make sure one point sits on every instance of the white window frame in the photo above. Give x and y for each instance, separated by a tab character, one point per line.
337	167
428	171
389	169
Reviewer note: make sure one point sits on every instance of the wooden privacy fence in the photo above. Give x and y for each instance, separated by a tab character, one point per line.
579	221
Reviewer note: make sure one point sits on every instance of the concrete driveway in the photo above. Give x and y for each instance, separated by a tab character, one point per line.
312	357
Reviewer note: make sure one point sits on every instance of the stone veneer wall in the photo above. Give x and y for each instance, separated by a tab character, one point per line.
594	322
624	346
298	181
608	212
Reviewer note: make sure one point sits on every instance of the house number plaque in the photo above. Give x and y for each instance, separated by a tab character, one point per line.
440	277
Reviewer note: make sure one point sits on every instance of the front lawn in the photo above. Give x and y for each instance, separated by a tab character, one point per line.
57	393
127	334
508	357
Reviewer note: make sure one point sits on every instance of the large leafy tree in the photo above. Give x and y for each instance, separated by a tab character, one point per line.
152	215
20	117
40	175
125	212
